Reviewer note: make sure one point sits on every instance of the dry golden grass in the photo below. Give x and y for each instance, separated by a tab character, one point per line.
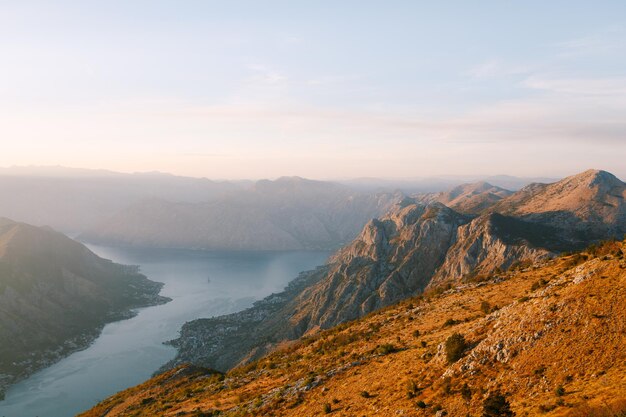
555	350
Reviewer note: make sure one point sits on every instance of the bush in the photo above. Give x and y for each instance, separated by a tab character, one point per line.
421	404
327	408
386	349
450	322
455	346
466	392
416	333
365	394
485	307
559	391
496	405
412	389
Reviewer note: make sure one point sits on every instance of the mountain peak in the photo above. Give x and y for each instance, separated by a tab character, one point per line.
593	177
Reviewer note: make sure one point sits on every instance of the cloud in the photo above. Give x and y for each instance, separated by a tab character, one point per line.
608	86
266	75
495	68
609	41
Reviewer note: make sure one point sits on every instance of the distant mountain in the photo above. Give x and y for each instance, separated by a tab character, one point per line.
73	200
441	183
285	214
413	247
55	296
468	198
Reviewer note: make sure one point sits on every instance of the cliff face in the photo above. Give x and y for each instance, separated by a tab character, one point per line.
550	338
55	295
413	247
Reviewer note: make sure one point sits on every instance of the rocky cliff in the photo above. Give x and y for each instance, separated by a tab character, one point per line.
413	247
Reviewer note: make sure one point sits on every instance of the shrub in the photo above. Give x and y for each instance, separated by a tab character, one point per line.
327	408
450	322
485	307
365	394
416	333
496	405
538	284
421	404
455	346
560	391
412	389
466	392
386	349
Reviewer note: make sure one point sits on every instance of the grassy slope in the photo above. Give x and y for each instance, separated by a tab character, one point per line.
568	331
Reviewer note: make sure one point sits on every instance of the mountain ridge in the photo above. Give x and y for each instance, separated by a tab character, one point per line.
56	295
412	248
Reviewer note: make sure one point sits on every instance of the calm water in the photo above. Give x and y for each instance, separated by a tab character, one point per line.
201	284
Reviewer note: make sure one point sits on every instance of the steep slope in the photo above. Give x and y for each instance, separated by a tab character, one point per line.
549	337
289	213
539	221
55	295
393	258
412	248
587	206
471	198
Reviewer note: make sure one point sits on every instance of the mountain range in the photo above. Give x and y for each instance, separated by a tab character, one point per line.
414	247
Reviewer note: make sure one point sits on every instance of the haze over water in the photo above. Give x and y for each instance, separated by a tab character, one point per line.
201	284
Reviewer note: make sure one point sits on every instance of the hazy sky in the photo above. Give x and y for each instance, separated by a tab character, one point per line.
323	89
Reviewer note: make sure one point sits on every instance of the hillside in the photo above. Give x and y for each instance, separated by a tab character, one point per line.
549	337
286	214
412	248
471	198
55	296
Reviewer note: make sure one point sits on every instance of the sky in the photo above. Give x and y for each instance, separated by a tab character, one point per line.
322	89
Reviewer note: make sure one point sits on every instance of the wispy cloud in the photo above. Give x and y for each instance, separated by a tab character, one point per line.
609	41
266	75
494	68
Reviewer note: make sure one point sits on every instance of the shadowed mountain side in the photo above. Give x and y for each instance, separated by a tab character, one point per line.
55	295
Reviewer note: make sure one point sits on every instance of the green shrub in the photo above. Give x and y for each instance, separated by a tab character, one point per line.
386	349
485	307
455	346
496	405
327	408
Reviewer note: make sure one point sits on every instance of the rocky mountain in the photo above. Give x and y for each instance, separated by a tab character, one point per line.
543	339
55	296
471	198
286	214
590	205
412	248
